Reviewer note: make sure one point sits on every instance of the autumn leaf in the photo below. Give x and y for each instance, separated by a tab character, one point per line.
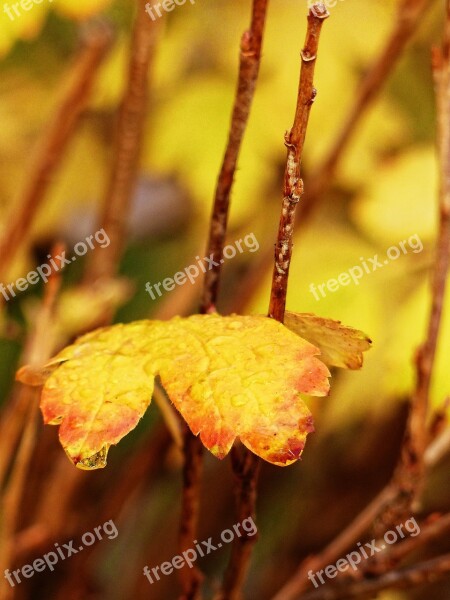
339	346
229	377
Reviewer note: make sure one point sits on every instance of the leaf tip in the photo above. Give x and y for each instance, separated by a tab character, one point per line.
96	461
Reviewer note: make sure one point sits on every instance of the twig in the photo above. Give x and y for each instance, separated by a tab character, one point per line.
246	467
294	141
389	559
191	579
119	193
427	352
409	475
122	175
40	347
135	477
122	179
250	59
251	44
425	572
340	545
434	530
293	184
410	14
12	497
54	141
337	548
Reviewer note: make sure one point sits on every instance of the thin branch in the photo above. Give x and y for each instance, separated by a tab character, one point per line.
246	468
410	14
337	548
124	169
427	352
407	578
40	347
294	141
343	542
119	190
409	475
434	530
191	578
245	465
54	141
250	59
251	44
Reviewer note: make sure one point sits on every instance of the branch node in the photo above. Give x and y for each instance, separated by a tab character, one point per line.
307	56
319	10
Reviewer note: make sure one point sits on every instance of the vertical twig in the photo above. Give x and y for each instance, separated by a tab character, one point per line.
250	56
54	141
409	15
426	354
294	141
245	465
411	469
190	579
122	179
246	468
250	59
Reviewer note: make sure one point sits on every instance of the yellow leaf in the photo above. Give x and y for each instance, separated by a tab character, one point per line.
229	377
339	346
